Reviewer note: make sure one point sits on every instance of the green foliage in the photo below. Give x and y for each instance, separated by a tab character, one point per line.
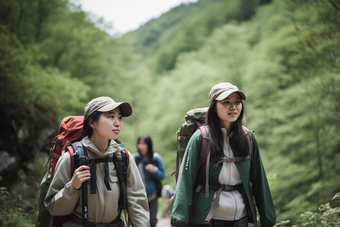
263	57
283	54
37	169
52	54
326	216
26	80
304	113
185	28
11	212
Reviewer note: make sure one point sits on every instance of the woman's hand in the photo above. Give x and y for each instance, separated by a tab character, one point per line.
80	175
151	168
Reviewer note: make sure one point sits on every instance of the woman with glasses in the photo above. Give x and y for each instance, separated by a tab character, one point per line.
235	172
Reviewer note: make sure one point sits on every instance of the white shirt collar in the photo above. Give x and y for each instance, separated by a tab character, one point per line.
224	131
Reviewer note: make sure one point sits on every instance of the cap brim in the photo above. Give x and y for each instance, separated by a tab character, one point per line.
225	94
125	108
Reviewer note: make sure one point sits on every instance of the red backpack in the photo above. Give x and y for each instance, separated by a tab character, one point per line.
70	130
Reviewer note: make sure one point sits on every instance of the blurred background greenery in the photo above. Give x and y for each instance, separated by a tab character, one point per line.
284	55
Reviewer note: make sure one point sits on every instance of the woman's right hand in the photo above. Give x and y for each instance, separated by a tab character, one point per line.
80	175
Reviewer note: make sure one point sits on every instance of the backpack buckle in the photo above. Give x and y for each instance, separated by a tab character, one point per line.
227	188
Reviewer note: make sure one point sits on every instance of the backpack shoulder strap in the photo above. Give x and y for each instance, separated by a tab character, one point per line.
250	141
79	148
76	151
137	158
154	157
121	162
126	156
126	159
203	153
204	150
204	156
125	163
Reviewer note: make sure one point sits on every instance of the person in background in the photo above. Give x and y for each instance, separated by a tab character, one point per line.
167	192
236	172
151	168
103	121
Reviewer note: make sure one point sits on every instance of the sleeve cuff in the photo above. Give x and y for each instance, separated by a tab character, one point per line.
155	169
70	189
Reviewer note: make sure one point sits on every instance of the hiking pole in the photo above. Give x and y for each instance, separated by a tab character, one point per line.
84	161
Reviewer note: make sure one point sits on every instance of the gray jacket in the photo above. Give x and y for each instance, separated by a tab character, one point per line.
61	197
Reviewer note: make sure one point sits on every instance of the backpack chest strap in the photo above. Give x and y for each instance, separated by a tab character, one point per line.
93	171
226	188
216	201
229	160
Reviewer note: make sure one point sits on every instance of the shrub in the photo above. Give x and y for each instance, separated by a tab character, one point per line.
328	215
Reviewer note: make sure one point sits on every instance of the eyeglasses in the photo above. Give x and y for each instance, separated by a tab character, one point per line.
230	104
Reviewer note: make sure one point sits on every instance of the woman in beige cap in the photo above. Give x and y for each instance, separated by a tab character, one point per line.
102	124
236	172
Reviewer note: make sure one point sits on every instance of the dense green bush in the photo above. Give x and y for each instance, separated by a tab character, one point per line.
328	215
12	213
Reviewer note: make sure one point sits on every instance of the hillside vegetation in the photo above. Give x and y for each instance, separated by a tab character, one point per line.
284	55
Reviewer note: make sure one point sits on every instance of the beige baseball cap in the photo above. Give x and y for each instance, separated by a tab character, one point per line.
104	103
223	90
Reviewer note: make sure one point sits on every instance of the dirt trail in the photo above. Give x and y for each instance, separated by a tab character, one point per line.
163	221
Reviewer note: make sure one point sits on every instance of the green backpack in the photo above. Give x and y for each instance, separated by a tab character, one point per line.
194	119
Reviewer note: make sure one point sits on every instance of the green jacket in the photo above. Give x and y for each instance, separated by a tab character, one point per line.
193	206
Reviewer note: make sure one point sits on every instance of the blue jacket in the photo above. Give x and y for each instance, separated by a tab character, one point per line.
150	178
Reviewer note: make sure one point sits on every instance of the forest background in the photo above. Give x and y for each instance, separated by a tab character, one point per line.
284	55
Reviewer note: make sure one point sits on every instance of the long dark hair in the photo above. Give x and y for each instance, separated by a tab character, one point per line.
238	137
87	129
148	141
